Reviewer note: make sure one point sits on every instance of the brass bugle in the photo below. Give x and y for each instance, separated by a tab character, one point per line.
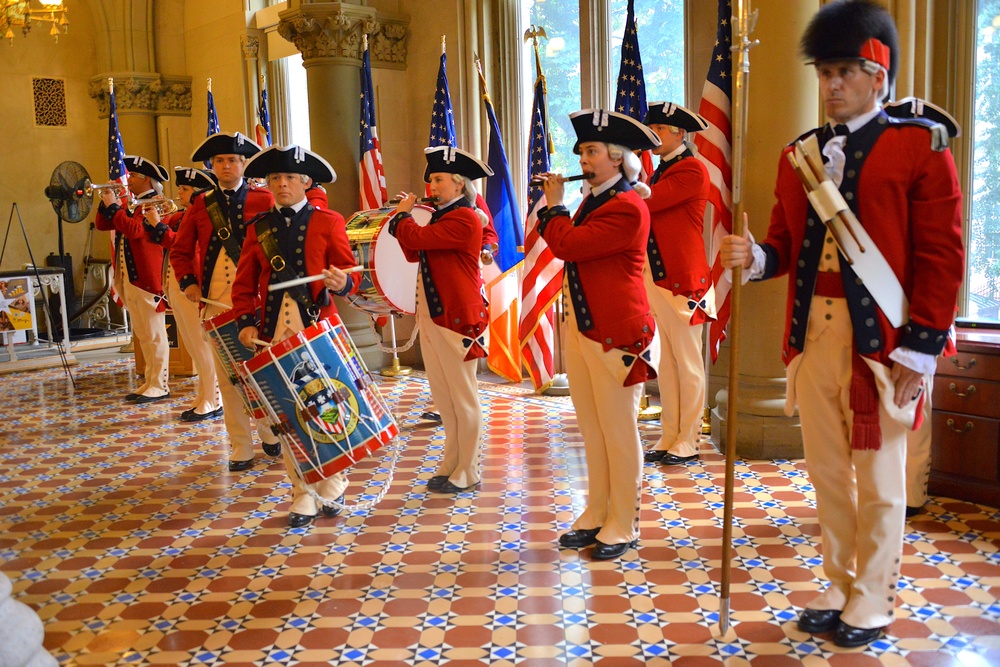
162	205
89	189
421	200
537	182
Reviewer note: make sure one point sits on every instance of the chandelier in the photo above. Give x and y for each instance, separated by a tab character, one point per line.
21	13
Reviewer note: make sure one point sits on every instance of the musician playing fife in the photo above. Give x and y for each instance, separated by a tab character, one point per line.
207	402
678	279
138	275
611	344
204	256
451	310
308	241
855	377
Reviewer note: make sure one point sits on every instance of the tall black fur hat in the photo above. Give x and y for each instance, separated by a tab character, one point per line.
843	30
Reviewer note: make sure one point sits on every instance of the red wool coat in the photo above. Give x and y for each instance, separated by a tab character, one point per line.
677	225
451	244
143	258
325	243
909	202
608	247
196	249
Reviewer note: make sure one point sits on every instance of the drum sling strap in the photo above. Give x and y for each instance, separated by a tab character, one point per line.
221	225
280	270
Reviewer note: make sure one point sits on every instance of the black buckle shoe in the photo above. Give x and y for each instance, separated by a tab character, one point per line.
815	621
436	482
430	416
141	400
912	511
668	459
448	487
849	636
578	539
330	511
299	520
237	466
272	449
192	416
611	551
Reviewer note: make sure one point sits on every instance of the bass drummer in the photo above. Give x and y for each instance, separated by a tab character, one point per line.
451	310
305	241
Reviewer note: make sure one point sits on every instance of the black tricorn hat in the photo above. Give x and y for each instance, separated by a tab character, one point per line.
224	144
845	30
196	178
289	160
668	113
914	107
451	160
611	127
140	165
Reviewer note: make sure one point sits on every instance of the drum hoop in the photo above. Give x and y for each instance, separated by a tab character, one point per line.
374	269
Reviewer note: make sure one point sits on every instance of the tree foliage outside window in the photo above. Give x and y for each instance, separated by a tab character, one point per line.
983	257
661	43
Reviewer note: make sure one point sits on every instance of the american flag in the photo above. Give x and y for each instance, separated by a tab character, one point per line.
715	150
213	120
442	119
631	96
372	181
543	272
117	171
263	128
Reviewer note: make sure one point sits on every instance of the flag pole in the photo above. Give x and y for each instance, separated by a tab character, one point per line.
743	22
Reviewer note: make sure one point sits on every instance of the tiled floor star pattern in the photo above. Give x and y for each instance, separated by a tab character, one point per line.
122	528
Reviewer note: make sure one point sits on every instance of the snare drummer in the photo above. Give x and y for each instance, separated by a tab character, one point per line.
451	310
307	241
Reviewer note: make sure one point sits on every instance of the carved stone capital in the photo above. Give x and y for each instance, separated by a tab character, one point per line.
251	46
334	30
143	93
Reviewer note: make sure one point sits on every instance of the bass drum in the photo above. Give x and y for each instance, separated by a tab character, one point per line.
390	282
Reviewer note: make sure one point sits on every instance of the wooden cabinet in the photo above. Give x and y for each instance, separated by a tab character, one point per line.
966	421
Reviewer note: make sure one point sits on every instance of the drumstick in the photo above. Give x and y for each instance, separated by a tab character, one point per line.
217	304
259	343
308	279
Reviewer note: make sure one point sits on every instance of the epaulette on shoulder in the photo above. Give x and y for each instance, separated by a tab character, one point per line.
939	133
815	130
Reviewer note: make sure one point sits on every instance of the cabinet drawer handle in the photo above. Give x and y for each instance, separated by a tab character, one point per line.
951	425
972	362
968	392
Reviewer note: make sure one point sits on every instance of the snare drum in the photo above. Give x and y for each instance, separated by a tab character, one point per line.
390	281
331	413
224	335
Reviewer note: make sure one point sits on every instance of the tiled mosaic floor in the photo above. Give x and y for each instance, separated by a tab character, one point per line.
121	527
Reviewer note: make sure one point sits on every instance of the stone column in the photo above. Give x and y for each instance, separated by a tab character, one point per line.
329	36
784	103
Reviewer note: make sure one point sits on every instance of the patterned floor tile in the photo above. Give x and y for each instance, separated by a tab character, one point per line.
123	529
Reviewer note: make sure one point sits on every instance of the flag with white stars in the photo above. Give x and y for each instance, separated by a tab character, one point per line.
213	120
117	172
442	119
372	181
542	275
715	150
631	96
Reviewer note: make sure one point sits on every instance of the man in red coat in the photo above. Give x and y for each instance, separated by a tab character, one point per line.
679	280
309	241
140	261
207	402
451	309
611	344
204	257
860	337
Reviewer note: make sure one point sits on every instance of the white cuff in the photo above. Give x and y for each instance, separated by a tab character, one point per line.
920	362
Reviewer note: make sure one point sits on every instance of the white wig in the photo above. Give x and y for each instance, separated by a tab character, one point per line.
631	167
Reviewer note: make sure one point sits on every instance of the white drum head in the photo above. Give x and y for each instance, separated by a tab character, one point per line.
395	277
